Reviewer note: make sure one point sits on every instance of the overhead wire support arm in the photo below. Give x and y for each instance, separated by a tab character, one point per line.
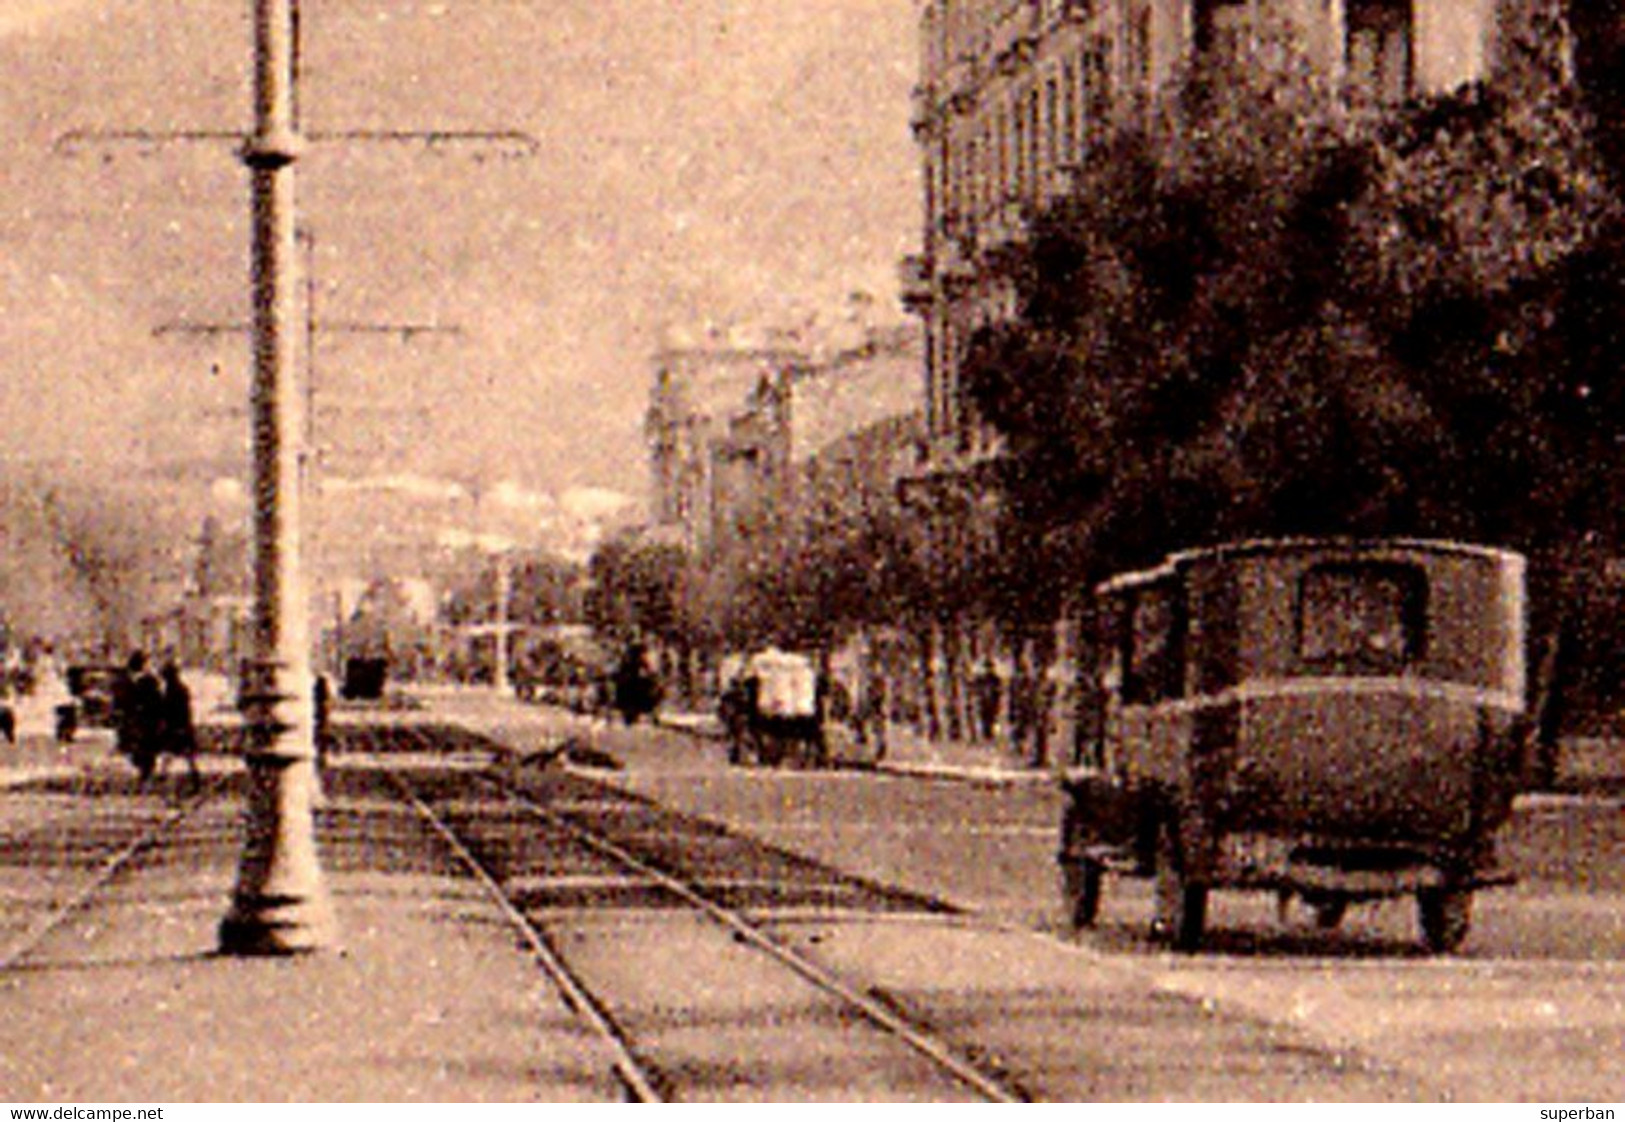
511	143
406	332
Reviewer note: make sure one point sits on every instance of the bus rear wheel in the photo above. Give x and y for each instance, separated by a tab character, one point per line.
1080	891
1181	907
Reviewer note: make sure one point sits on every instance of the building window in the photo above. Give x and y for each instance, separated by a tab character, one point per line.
1052	124
1001	174
1378	50
1219	28
1021	140
1034	136
988	177
1137	51
1069	112
1097	93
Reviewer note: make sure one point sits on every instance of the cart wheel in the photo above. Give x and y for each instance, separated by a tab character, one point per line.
1446	914
1329	913
1181	907
1080	891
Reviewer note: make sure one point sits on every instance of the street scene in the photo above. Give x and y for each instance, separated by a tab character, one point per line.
759	551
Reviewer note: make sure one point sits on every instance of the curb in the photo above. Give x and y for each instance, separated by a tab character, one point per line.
956	773
17	777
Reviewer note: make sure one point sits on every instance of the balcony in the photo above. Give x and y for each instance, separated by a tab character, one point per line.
924	110
1014	37
953	473
1075	11
957	271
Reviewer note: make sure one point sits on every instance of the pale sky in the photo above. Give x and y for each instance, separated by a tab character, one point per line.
701	159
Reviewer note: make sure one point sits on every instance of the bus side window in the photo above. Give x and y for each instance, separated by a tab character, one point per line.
1153	658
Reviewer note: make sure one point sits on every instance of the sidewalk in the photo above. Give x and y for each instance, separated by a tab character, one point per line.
37	755
907	752
429	999
1591	767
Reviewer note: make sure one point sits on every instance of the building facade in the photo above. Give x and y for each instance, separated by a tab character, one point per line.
728	427
713	426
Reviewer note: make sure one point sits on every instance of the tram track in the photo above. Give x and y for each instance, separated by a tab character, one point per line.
1045	1031
635	1077
552	876
107	864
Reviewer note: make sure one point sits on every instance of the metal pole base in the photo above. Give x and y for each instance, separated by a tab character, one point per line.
281	906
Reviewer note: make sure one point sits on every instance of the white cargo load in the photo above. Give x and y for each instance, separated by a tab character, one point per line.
787	684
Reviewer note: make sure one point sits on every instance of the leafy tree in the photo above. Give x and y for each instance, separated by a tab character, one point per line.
847	557
1265	315
634	587
543	590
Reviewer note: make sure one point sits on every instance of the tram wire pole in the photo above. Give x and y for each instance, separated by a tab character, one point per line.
280	905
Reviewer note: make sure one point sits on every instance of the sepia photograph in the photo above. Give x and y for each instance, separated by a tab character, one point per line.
802	551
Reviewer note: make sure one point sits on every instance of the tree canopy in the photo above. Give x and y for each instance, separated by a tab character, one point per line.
1266	314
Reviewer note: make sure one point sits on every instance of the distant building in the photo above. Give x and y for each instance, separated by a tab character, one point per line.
728	426
697	451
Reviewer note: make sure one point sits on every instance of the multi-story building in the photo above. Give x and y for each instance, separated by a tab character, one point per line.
713	425
729	425
1014	95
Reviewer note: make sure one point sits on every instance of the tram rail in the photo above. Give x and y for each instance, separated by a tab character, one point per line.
121	858
643	1078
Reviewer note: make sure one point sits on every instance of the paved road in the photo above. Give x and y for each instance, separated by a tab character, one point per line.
1534	1007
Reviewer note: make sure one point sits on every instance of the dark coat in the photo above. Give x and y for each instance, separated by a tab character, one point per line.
179	734
138	705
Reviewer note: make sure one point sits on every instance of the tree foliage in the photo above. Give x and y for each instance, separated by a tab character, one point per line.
78	564
1264	314
543	590
848	554
634	588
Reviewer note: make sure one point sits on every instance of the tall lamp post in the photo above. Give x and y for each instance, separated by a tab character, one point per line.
280	905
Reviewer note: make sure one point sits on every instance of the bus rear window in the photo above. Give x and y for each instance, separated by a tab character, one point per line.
1362	617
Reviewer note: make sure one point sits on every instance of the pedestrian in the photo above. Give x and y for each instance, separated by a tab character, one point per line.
870	713
321	698
636	691
8	714
986	690
55	699
1030	701
177	732
137	712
